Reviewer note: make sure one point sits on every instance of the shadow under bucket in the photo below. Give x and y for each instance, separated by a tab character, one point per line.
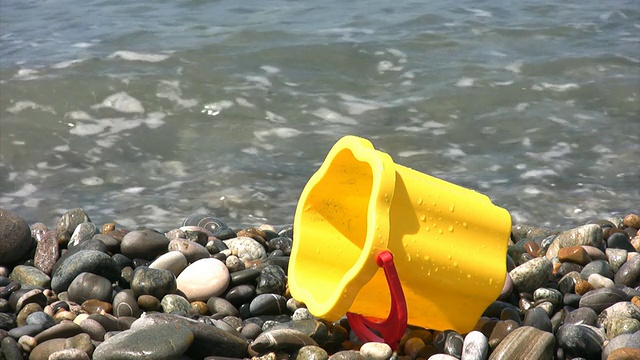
449	243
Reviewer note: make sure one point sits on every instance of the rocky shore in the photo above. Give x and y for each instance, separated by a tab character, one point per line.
82	290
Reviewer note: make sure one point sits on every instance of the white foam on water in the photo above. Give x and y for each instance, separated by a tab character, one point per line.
154	120
136	56
262	81
251	150
19	106
601	149
86	129
520	107
555	87
538	173
333	117
385	65
515	66
558	120
32	202
532	190
465	82
501	83
479	12
92	181
26	190
134	190
66	64
358	106
244	103
433	125
275	118
283	133
410	153
27	74
454	152
402	57
82	45
270	69
18	142
121	102
110	126
215	108
170	90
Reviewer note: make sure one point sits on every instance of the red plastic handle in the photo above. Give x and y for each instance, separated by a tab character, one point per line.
394	326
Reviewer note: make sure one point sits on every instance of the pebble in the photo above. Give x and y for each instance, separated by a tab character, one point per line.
91	261
281	339
126	304
172	303
525	342
89	286
601	267
600	299
590	234
154	282
11	349
68	223
15	237
598	281
574	254
537	318
531	275
43	350
158	341
47	252
83	232
69	354
246	248
624	354
222	307
475	346
376	351
173	261
629	273
81	342
144	244
268	304
311	352
579	340
272	279
191	250
203	279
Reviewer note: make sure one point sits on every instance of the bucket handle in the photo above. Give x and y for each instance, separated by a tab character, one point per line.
394	326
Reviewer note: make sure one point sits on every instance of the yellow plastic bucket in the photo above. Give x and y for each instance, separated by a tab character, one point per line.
449	243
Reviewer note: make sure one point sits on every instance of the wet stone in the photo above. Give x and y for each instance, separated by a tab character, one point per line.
313	328
112	244
552	295
40	318
148	303
301	314
89	286
68	223
144	244
531	275
281	243
64	329
173	261
217	305
590	234
598	281
83	232
583	286
268	304
600	299
205	221
175	304
18	299
281	339
69	354
475	346
525	342
155	341
566	268
91	261
272	279
234	263
155	282
95	329
311	352
616	258
594	253
10	348
43	350
597	267
566	284
620	241
27	310
453	344
622	326
246	276
15	237
347	355
191	250
126	304
582	315
28	330
574	254
47	253
537	318
629	273
580	340
95	306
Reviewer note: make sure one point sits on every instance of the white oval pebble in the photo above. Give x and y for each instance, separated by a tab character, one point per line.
376	351
246	248
174	261
598	281
442	357
475	346
203	279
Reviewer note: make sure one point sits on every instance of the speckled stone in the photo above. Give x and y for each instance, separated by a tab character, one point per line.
580	340
83	232
175	304
144	244
155	282
311	352
159	341
29	275
81	342
475	346
47	252
574	254
272	280
525	342
531	275
15	237
68	223
203	279
173	261
246	248
590	234
234	263
629	273
91	261
622	326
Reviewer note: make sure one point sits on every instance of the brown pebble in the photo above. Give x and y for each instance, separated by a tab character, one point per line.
200	307
575	254
27	310
93	306
624	354
532	248
148	303
47	252
636	300
582	287
108	227
64	315
69	354
632	220
46	348
635	242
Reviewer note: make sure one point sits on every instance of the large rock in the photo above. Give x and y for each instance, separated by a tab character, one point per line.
157	341
91	261
15	238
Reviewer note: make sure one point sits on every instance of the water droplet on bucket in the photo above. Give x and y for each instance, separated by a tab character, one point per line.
452	207
449	257
439	231
455	263
468	276
423	218
408	257
464	223
490	281
451	228
419	201
426	228
426	258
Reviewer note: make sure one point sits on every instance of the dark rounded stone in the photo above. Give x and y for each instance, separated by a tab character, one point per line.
7	321
126	304
144	244
629	273
221	307
572	300
122	261
251	331
281	339
10	348
246	276
240	294
40	318
90	244
597	267
581	340
22	297
620	240
112	244
268	304
600	299
155	282
64	329
453	344
29	275
91	261
286	231
89	286
148	303
29	330
280	243
272	280
94	329
15	238
537	318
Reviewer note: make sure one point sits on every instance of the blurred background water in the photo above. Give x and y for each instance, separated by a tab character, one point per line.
145	112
